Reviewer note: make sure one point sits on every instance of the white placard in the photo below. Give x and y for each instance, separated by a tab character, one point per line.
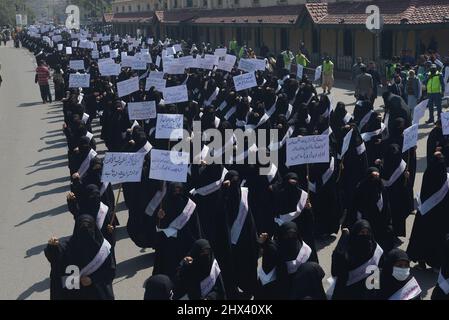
346	141
105	60
76	64
127	87
68	50
174	68
186	61
169	126
230	58
169	165
123	55
245	81
158	84
308	149
221	52
203	63
139	65
121	167
247	65
420	110
158	61
142	110
175	94
95	54
299	71
410	137
114	53
156	75
60	46
79	80
109	69
74	44
318	72
128	61
445	123
177	47
150	41
224	65
105	49
57	38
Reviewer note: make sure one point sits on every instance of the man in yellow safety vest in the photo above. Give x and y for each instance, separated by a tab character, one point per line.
434	85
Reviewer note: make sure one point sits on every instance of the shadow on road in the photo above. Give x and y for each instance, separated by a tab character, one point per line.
61	189
47	183
51	159
130	267
37	287
52	166
52	212
29	104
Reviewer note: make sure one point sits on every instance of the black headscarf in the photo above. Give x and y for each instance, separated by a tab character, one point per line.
287	195
434	177
270	256
159	287
202	262
360	247
392	160
173	203
232	194
370	187
307	283
389	284
89	201
85	242
289	241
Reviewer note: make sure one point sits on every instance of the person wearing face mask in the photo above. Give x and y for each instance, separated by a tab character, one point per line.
371	204
237	249
177	229
91	253
268	285
431	223
356	252
159	288
199	276
441	290
396	282
395	107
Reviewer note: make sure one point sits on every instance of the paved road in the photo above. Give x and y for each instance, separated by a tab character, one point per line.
34	181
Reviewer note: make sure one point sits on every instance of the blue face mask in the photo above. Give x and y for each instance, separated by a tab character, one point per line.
401	274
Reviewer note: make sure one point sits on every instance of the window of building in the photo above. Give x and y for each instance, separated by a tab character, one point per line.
189	3
138	7
123	8
205	3
236	2
130	9
148	7
256	2
347	43
175	4
219	3
116	9
387	44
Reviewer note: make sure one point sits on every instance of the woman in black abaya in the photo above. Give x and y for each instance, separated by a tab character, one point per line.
237	248
159	288
441	290
177	229
371	204
308	283
355	252
268	285
199	276
431	223
293	252
91	253
396	282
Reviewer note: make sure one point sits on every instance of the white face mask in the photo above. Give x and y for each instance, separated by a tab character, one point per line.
401	274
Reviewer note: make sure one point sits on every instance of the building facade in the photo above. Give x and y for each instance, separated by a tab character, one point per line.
334	28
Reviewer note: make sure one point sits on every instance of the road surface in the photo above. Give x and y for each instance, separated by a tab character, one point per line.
34	182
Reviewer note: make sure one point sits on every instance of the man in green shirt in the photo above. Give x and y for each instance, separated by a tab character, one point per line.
328	75
301	59
288	58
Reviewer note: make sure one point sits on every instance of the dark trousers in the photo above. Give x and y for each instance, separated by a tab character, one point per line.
435	99
45	92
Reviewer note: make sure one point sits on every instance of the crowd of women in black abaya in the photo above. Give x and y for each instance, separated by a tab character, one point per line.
229	232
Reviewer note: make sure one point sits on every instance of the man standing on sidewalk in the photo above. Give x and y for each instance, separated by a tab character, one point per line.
42	77
328	75
435	85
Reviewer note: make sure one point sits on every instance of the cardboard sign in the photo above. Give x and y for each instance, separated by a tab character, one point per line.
121	167
445	123
79	80
158	84
245	81
142	110
127	87
410	137
169	126
175	94
308	149
420	110
76	64
109	69
169	165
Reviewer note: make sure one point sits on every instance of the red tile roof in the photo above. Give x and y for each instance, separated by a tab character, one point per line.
257	15
393	12
123	17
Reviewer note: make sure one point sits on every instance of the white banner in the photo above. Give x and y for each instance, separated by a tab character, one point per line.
308	149
76	64
127	87
79	80
245	81
121	167
175	94
142	110
158	84
169	126
410	137
169	165
109	69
